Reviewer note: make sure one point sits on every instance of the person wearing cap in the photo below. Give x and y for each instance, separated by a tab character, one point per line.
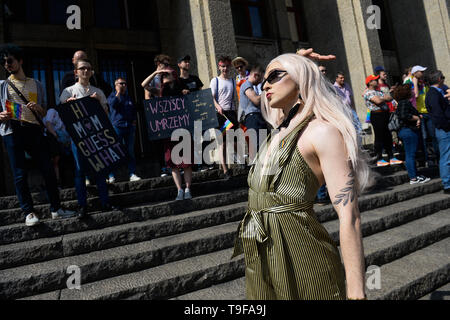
192	82
379	117
241	65
420	90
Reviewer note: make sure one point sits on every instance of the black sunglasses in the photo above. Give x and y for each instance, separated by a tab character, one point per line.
7	60
274	77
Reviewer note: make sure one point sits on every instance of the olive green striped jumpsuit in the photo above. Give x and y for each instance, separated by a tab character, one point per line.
288	254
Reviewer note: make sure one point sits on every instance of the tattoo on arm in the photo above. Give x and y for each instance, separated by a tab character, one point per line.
347	194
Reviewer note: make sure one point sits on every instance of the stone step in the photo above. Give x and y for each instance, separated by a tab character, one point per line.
52	228
381	248
132	193
117	229
11	202
443	293
131	198
112	262
416	274
231	290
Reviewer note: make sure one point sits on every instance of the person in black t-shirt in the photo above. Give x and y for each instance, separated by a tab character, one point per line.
193	83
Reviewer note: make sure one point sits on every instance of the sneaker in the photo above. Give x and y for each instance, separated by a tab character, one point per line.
88	183
164	172
228	176
414	181
83	213
31	220
134	178
203	169
187	194
395	161
423	179
180	195
111	180
382	163
62	214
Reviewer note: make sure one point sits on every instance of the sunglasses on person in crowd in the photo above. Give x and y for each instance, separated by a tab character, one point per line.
274	77
85	69
240	67
7	61
122	83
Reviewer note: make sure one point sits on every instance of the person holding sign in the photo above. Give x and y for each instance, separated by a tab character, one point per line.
172	87
81	89
22	130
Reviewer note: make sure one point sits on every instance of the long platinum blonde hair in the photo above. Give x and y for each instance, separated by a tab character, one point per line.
320	99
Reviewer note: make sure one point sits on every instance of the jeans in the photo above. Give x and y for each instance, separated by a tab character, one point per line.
80	181
411	139
443	139
126	137
30	139
428	132
322	194
256	122
383	137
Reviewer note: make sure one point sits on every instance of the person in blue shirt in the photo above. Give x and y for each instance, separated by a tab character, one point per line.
122	113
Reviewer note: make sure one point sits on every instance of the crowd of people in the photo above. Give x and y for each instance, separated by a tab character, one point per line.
420	104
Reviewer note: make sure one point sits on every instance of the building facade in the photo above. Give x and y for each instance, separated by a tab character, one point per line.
122	38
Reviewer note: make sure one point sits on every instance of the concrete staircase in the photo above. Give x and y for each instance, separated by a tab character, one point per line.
162	249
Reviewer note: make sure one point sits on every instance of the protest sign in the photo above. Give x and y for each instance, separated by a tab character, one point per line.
167	114
92	132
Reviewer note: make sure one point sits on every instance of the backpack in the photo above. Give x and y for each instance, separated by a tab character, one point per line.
394	122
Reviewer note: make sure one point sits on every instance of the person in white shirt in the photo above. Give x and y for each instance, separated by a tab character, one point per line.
223	90
82	89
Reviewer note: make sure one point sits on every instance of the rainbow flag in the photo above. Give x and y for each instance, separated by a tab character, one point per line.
227	126
15	109
368	116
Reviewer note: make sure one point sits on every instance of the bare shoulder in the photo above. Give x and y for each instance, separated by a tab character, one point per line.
319	131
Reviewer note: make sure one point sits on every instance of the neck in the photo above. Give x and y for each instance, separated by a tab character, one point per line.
243	73
20	75
83	82
184	74
292	105
225	77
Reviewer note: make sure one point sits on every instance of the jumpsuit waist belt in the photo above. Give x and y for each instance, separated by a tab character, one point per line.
251	230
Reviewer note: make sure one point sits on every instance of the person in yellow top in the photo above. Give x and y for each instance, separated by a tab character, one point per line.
420	89
26	134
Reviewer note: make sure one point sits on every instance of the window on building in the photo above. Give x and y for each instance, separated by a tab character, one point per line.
249	18
113	68
143	15
40	11
296	21
110	14
49	67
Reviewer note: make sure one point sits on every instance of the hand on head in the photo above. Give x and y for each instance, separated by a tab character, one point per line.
310	54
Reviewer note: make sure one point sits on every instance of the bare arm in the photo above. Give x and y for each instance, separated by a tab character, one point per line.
340	180
416	87
254	98
380	100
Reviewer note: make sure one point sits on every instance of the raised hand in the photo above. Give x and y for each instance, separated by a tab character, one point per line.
310	54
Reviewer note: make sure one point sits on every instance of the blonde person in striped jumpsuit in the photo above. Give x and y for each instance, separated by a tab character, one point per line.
288	254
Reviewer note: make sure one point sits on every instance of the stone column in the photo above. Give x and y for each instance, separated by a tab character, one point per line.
214	36
362	46
437	15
